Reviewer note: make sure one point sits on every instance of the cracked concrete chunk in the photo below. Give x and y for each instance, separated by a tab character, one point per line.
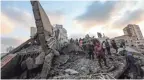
40	58
29	63
61	59
47	65
71	71
56	53
23	75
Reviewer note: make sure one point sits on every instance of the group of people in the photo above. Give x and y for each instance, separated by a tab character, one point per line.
99	49
95	47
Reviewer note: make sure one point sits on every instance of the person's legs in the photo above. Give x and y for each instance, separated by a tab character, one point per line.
104	59
116	49
108	50
92	54
99	61
104	50
89	55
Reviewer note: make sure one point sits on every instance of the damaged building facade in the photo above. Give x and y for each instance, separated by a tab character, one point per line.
132	36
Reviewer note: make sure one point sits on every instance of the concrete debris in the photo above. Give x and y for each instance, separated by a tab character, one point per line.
61	77
46	66
71	71
61	59
55	58
71	65
40	58
23	65
24	75
71	48
29	63
31	48
56	53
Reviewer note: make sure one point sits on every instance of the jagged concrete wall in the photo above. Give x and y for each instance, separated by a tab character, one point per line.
48	29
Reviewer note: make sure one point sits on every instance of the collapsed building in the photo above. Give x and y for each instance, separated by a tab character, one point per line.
46	56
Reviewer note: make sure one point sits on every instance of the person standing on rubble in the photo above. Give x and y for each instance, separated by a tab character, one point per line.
122	45
77	42
103	46
81	44
107	47
113	43
98	50
90	50
71	40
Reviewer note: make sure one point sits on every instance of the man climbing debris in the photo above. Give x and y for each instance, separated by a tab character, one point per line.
134	70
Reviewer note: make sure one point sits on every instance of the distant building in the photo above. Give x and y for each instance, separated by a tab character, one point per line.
135	33
132	36
33	31
62	31
133	30
124	38
61	34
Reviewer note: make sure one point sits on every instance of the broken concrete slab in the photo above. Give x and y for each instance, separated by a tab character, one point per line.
71	71
61	77
23	65
71	47
29	63
56	53
40	58
46	66
59	60
23	75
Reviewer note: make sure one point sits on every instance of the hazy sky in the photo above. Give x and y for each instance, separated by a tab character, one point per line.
78	17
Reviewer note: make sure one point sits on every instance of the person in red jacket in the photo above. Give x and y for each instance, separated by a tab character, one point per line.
98	50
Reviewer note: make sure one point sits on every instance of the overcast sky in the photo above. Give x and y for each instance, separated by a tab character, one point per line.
78	17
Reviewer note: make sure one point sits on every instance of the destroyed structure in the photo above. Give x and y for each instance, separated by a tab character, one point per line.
46	56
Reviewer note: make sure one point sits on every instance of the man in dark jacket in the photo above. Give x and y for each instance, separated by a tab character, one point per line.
113	43
107	45
133	66
90	50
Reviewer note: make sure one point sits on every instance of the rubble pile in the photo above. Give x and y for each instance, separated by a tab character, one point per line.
30	50
54	58
71	47
74	65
